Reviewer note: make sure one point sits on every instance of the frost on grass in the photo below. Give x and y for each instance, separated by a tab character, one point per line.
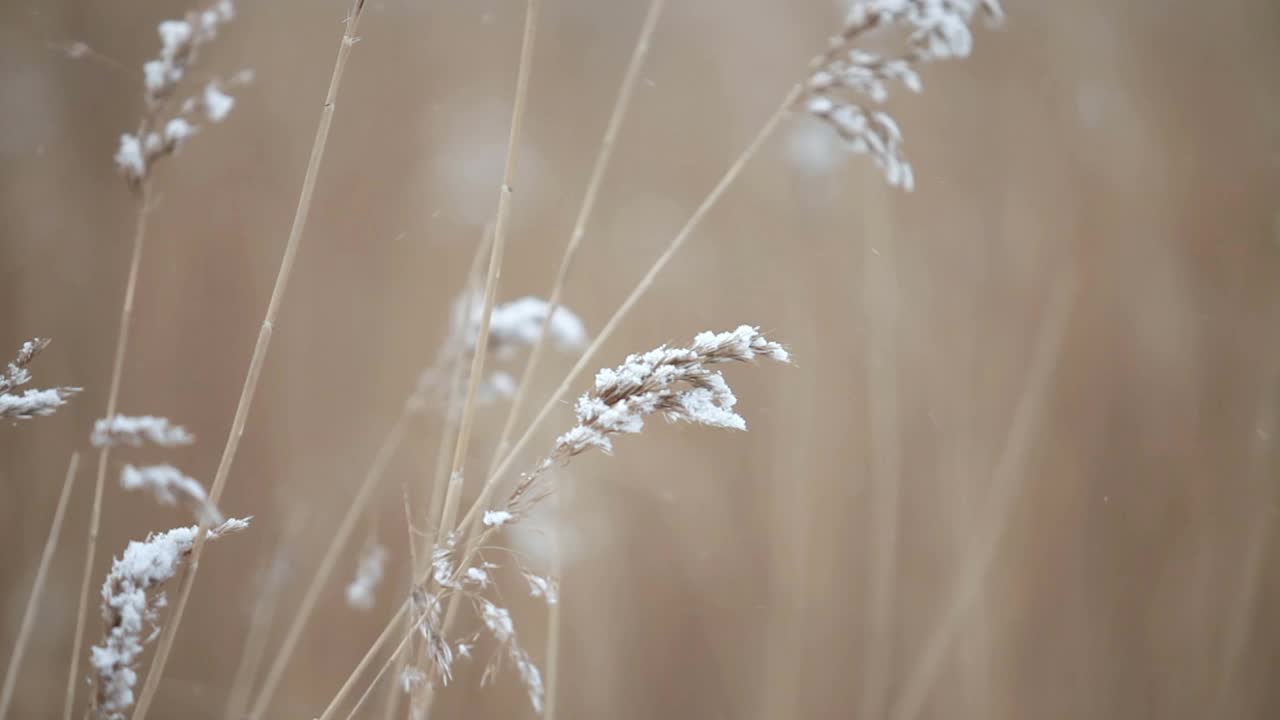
676	382
167	125
847	76
33	402
131	608
169	485
681	384
137	431
369	572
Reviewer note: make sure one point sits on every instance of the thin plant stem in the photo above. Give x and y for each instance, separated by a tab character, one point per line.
552	674
369	485
368	692
258	360
453	495
1006	484
320	578
625	92
771	124
37	589
113	398
255	643
881	292
367	660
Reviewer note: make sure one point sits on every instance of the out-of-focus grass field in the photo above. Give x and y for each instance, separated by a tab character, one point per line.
1123	156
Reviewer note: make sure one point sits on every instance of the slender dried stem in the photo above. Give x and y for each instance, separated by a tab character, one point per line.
259	357
113	397
367	660
552	663
881	292
999	505
255	642
625	93
320	578
37	589
368	692
453	495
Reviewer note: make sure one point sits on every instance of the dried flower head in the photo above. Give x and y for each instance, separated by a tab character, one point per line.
129	610
847	75
31	402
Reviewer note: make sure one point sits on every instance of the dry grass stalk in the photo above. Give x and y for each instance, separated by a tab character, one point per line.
414	405
256	638
998	505
37	590
422	698
258	360
625	92
453	494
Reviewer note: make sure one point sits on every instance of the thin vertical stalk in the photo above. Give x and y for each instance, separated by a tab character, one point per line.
453	495
104	454
256	641
320	578
258	360
37	589
1005	489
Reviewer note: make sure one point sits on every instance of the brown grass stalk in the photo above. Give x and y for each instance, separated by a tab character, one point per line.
258	360
143	190
453	495
255	645
37	589
999	505
880	292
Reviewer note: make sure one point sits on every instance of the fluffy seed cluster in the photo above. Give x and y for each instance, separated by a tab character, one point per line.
847	75
676	382
28	404
139	430
168	484
164	129
129	611
373	564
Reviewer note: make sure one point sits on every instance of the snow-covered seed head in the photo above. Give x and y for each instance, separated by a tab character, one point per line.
130	611
846	77
674	381
29	404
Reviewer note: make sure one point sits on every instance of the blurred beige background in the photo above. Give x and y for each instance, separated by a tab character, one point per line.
1060	355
